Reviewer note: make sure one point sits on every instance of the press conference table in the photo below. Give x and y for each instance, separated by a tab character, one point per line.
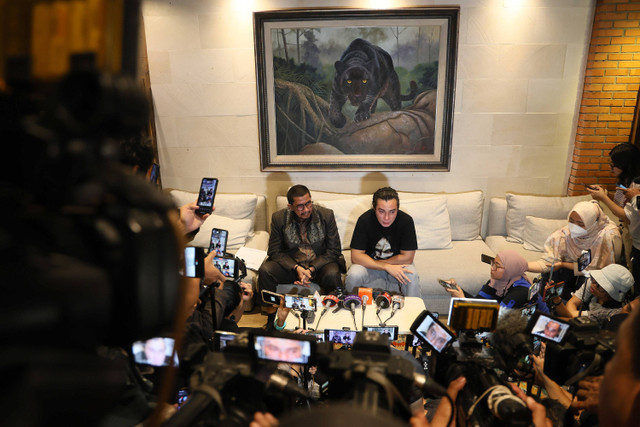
403	317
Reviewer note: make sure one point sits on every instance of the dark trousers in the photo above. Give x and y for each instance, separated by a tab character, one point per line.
271	274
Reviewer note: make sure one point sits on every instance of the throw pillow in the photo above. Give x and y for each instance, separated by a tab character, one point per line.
537	230
431	218
550	207
346	212
238	229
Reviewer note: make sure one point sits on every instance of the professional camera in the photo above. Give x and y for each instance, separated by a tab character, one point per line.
485	362
233	384
583	351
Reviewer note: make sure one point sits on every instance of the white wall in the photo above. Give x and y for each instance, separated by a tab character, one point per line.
520	68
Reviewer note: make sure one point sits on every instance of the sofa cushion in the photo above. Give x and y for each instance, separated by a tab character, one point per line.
431	218
550	207
346	212
465	211
236	206
239	231
537	230
500	243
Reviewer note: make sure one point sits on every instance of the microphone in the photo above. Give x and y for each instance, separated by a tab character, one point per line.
328	301
383	301
397	303
365	301
352	302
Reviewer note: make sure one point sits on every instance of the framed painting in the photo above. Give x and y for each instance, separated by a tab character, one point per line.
347	89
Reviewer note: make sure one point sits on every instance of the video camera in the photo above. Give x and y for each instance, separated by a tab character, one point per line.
233	384
584	351
484	361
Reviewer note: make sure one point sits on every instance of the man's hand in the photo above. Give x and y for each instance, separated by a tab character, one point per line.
588	394
397	271
190	219
263	419
304	276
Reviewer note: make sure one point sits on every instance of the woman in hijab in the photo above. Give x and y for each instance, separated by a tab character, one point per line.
509	284
588	228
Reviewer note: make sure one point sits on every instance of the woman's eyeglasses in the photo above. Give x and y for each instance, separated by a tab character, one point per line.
496	266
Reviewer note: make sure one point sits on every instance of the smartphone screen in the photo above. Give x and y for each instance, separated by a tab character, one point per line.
339	337
227	266
193	261
584	259
155	352
431	331
207	195
218	241
297	302
390	331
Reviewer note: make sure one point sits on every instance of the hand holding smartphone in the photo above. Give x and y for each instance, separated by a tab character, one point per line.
206	196
446	284
218	241
270	297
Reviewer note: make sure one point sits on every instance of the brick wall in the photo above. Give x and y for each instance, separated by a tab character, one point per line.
612	79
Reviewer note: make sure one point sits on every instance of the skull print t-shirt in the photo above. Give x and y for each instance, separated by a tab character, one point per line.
381	243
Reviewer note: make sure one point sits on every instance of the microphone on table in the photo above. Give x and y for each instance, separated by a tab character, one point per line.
365	301
383	300
397	302
352	302
328	301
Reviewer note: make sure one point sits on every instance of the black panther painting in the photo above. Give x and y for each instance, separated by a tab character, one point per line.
365	73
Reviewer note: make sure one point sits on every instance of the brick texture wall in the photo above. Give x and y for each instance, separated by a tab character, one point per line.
612	79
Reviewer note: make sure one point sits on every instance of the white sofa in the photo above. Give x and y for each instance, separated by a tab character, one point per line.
448	226
523	222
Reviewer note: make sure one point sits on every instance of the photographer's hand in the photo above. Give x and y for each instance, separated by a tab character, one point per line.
538	411
211	273
189	219
443	413
263	419
588	395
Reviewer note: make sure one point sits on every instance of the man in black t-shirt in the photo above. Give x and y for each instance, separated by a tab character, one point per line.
383	246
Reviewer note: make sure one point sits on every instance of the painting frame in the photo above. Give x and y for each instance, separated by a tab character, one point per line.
335	148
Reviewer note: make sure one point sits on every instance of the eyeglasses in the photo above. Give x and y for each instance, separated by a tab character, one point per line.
304	206
495	265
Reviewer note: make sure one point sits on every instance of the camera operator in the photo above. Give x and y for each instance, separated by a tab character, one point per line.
619	389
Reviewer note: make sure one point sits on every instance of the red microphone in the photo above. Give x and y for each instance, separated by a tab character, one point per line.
330	301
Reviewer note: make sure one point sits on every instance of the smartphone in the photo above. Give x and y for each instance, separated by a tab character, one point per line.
553	291
391	331
270	297
193	261
207	194
534	288
446	284
339	337
319	336
529	310
431	331
487	259
584	259
222	338
183	395
155	172
227	265
155	351
298	302
218	241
